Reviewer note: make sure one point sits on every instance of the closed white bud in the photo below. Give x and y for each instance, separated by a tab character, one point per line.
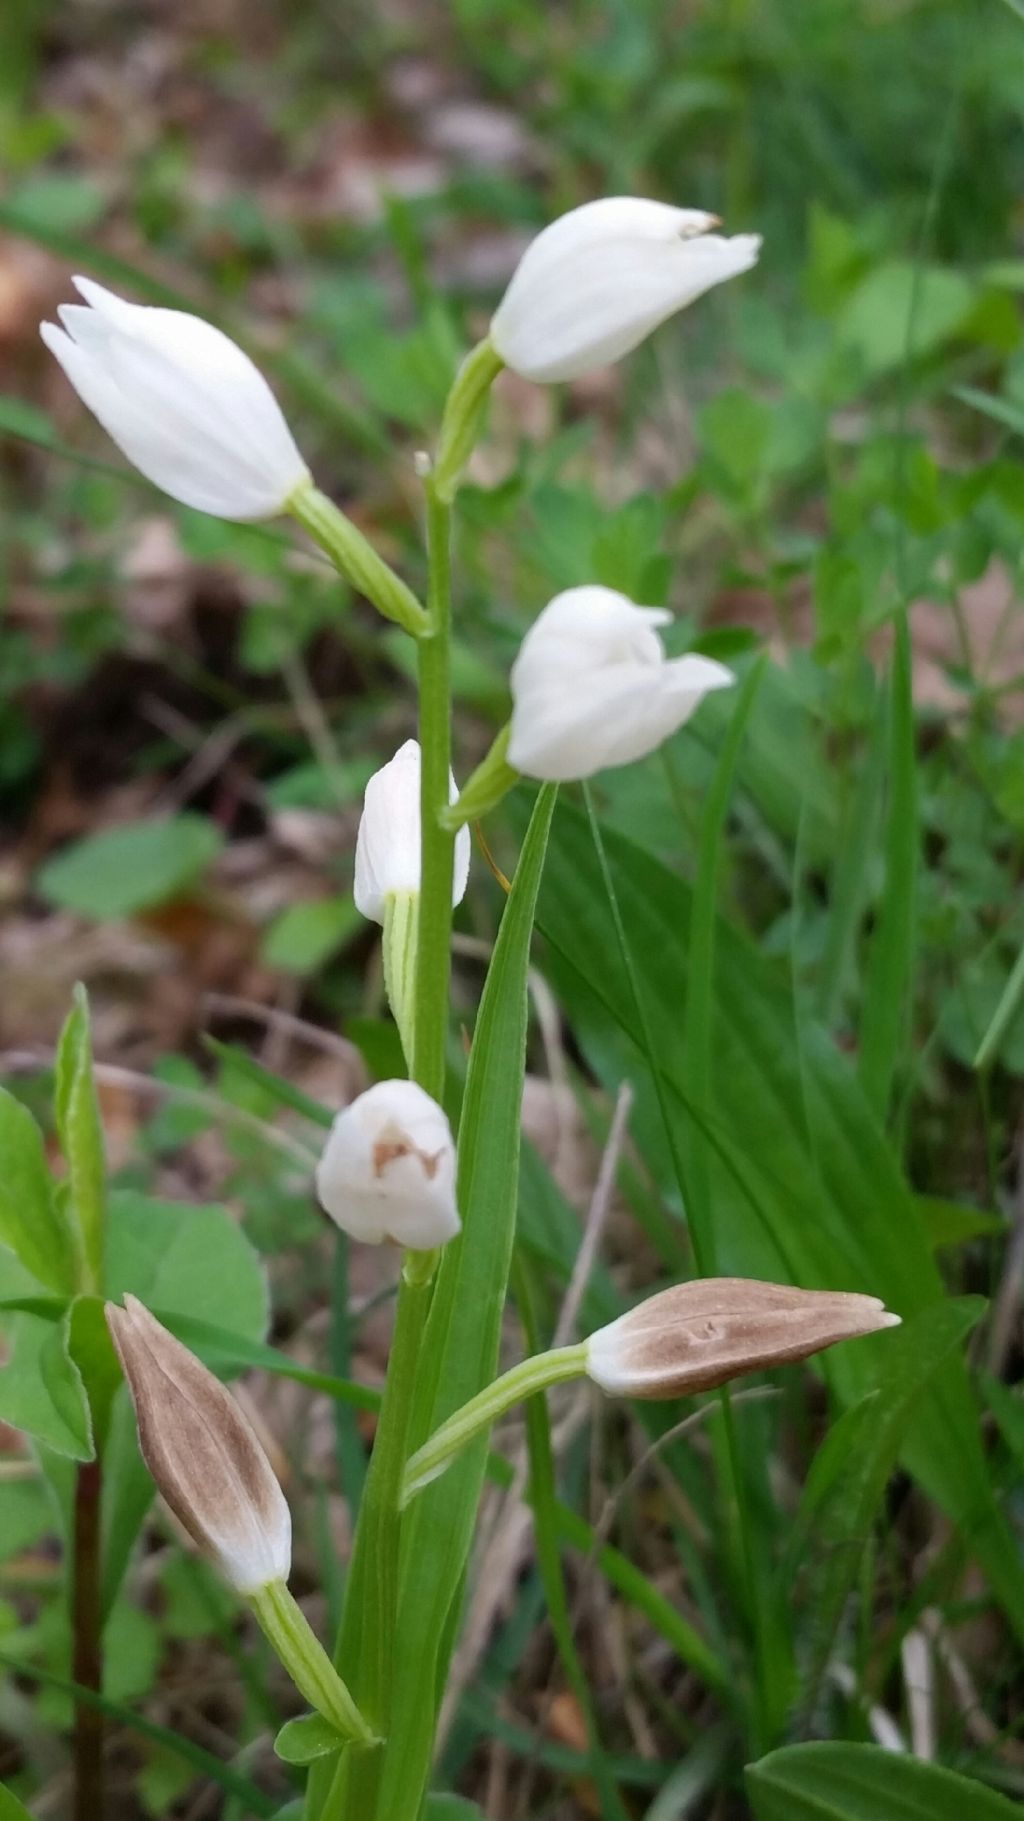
182	402
388	1169
203	1453
598	280
388	843
592	687
698	1335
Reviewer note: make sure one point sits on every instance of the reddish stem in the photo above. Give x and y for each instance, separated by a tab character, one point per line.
87	1660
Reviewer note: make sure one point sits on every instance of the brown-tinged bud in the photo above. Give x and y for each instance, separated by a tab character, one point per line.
697	1335
203	1453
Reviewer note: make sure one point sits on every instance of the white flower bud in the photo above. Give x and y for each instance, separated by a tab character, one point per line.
698	1335
388	843
204	1455
598	280
182	402
388	1169
592	687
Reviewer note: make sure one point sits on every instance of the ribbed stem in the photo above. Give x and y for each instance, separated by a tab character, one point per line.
356	558
304	1657
538	1373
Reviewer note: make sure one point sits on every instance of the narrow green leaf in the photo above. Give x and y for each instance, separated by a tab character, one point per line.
464	1328
885	1018
848	1477
549	1560
284	1093
836	1212
30	1219
253	1801
1002	1018
1003	410
445	1808
81	1135
826	1782
699	1009
851	873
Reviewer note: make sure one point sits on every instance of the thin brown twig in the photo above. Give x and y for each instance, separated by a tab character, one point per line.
597	1216
87	1655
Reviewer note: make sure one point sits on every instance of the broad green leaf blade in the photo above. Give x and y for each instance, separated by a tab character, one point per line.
464	1327
124	870
953	1223
303	937
77	1114
308	1738
30	1217
41	1389
847	1481
10	1808
180	1260
823	1782
194	1261
804	1185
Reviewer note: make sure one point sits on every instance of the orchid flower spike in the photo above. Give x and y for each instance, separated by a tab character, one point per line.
388	842
181	401
203	1453
598	280
701	1334
592	687
388	1169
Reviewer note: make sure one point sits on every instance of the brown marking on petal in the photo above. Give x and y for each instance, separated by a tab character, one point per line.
201	1450
697	1336
387	1151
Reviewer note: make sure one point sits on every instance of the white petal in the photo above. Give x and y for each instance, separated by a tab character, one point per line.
183	402
388	841
388	1168
601	278
592	687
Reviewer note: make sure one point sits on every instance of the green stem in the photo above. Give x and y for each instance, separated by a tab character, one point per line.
368	1628
433	955
356	558
304	1657
537	1373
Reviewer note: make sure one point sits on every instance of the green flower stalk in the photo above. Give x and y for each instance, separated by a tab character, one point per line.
355	558
692	1337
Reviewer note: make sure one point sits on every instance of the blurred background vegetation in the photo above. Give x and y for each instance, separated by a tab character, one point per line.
815	460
